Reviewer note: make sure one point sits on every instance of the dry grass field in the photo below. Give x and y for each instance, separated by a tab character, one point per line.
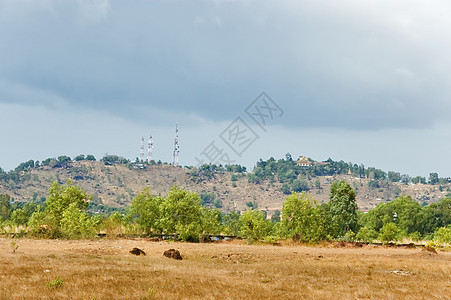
104	269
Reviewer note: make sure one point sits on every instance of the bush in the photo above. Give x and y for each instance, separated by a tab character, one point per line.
366	234
113	225
55	283
254	226
443	235
389	233
78	224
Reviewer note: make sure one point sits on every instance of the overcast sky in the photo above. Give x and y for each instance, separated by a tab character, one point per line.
360	81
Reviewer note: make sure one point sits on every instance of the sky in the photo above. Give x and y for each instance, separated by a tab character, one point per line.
361	81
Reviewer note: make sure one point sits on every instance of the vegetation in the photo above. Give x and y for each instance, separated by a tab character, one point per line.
186	216
69	212
292	176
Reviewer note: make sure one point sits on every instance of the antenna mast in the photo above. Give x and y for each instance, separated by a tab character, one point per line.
175	154
149	149
141	151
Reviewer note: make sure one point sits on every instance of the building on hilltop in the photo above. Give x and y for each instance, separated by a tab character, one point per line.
303	162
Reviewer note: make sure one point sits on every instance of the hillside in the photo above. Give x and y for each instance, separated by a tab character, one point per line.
115	185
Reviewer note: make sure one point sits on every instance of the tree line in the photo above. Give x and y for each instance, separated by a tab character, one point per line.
181	215
293	177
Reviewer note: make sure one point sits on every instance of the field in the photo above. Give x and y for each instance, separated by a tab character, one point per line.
104	269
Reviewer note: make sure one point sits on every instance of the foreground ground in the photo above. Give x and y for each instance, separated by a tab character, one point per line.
104	269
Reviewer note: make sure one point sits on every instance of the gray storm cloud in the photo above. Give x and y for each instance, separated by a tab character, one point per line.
340	64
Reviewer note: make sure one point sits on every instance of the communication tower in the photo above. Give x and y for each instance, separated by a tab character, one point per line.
175	154
149	149
141	151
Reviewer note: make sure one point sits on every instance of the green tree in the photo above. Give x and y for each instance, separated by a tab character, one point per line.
275	218
145	211
403	211
394	176
366	234
389	233
232	223
254	226
302	218
181	214
79	157
90	157
76	223
60	199
439	213
343	209
418	179
317	184
207	199
443	235
286	189
5	207
299	185
211	222
433	178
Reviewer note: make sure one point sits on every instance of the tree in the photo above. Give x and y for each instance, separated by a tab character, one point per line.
5	207
90	157
145	211
79	157
343	208
181	214
394	176
253	225
288	157
366	234
211	222
405	179
286	189
63	161
317	184
443	235
418	179
60	199
299	185
20	216
76	223
232	223
275	218
437	214
302	219
207	199
389	232
433	178
403	211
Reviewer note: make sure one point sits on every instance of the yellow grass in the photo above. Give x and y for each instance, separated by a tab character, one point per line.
104	269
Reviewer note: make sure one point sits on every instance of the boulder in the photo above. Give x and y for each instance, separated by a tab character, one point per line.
173	253
137	251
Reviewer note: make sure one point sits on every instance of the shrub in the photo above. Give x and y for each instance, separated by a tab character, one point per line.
55	283
388	233
366	234
254	226
443	235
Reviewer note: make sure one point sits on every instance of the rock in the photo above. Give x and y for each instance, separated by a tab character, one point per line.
137	251
173	253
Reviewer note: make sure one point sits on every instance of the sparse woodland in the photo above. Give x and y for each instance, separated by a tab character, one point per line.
181	215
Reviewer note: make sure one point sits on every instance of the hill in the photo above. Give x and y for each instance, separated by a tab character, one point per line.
115	183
